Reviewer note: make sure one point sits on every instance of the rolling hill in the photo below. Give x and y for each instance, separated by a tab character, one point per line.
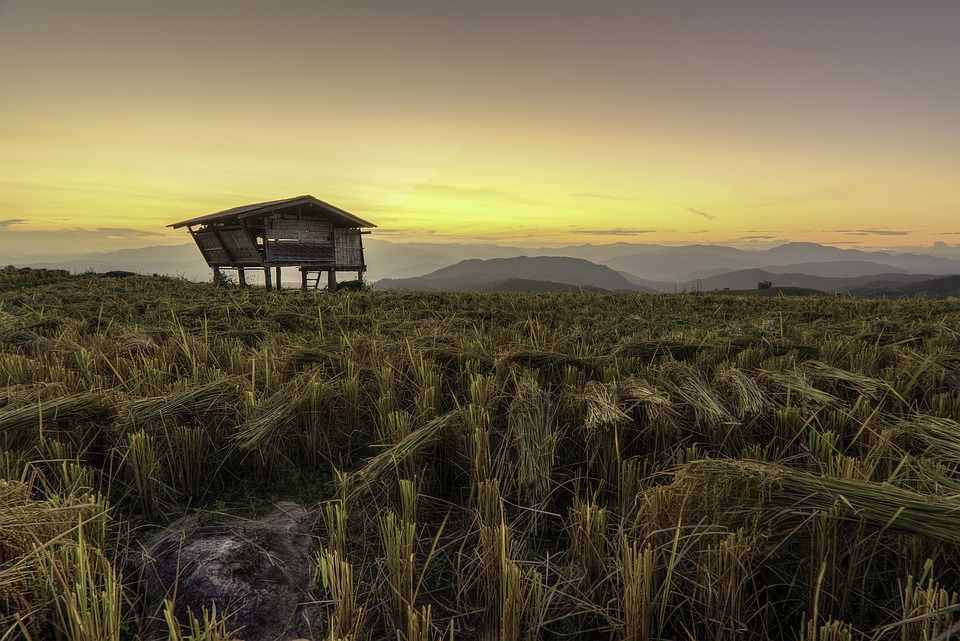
749	278
520	271
943	287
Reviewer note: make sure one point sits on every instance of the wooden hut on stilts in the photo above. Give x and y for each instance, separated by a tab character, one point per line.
301	232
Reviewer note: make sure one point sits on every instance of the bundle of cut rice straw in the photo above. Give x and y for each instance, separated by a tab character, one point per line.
774	488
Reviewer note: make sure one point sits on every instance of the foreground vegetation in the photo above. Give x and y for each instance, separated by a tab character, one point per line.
581	466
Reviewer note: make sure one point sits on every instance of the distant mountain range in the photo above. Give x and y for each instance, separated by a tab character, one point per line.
611	267
549	273
171	260
686	263
542	273
664	263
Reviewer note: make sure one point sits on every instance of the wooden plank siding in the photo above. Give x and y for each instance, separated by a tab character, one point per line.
227	247
293	241
312	231
349	248
299	253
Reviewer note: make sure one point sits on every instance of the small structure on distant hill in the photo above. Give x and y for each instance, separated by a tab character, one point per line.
301	232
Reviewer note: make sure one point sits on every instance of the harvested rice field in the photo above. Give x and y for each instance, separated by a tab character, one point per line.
487	466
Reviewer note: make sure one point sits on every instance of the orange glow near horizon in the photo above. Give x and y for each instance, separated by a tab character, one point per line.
105	138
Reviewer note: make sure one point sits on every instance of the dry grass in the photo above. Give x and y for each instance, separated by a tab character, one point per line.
581	466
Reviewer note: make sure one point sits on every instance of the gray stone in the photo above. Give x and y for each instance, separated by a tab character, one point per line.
260	572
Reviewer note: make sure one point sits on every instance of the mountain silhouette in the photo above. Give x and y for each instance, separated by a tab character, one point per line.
476	274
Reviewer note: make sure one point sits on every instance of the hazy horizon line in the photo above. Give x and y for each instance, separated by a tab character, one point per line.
750	245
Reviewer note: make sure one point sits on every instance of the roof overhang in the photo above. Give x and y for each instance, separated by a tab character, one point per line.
237	214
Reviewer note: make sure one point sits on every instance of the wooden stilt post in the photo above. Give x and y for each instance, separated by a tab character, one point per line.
216	274
241	277
332	280
303	279
278	277
266	277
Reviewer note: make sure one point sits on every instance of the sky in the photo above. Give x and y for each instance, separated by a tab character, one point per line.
739	122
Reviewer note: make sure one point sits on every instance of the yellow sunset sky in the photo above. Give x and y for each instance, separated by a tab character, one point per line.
524	123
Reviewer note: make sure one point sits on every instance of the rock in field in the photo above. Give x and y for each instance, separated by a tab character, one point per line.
260	572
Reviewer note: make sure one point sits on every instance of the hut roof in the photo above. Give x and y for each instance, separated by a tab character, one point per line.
261	209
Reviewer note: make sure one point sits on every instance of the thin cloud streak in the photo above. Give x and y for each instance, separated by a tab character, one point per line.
125	232
613	232
872	232
404	232
588	194
86	232
701	213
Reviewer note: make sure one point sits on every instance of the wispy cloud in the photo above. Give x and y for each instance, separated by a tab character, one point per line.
698	212
400	231
123	232
612	232
31	239
757	237
81	232
587	194
872	232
